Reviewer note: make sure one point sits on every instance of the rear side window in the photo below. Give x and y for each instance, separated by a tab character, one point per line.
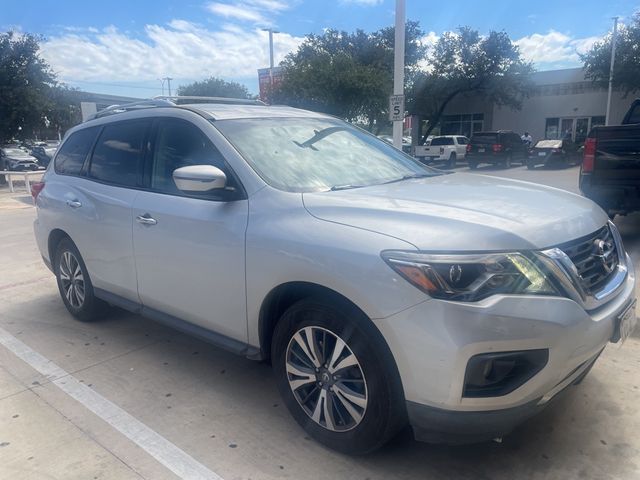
117	158
462	140
441	141
484	138
634	115
73	152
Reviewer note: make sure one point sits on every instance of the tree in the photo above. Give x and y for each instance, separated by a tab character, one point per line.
25	84
349	75
214	87
466	62
626	68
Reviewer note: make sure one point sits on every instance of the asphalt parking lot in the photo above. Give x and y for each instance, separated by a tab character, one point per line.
216	415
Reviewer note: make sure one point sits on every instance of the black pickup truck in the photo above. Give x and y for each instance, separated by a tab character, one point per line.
610	172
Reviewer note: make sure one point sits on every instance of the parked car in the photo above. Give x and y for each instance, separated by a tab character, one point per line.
553	152
18	160
501	147
43	153
406	142
610	172
383	291
444	148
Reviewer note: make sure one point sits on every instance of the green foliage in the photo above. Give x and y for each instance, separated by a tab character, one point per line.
466	62
626	68
214	87
349	75
25	83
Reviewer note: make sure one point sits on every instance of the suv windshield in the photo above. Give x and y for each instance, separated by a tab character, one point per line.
484	138
314	154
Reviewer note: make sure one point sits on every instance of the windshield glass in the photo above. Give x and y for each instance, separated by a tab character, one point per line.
484	138
314	154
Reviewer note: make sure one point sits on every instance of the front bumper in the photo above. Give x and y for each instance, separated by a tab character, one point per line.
432	343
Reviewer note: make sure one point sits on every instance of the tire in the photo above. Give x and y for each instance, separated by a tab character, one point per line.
377	412
507	162
473	165
451	163
74	284
531	165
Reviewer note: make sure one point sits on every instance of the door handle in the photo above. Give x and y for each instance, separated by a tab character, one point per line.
74	203
146	219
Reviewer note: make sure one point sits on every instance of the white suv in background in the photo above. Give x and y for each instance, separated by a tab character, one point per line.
444	148
382	291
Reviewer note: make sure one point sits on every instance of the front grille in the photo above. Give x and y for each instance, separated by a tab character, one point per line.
595	257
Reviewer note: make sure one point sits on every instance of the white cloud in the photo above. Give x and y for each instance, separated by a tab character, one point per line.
554	48
365	3
181	49
254	11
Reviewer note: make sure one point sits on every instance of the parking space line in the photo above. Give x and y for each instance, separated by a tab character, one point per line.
165	452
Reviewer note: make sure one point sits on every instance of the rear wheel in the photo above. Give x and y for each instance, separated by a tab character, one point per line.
74	283
531	165
335	375
507	162
473	165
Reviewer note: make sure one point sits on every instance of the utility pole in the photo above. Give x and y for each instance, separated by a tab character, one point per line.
397	109
271	32
162	83
614	37
168	79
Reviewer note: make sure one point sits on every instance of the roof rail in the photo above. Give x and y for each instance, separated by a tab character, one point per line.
170	101
227	100
127	107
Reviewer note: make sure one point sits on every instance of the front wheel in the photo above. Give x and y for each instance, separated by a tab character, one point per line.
74	283
337	377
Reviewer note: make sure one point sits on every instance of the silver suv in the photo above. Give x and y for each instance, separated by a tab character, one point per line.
381	290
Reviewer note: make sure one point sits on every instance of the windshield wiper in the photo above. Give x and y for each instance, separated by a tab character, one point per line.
412	176
319	135
344	187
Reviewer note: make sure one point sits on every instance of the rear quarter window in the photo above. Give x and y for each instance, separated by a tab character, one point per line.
441	141
74	151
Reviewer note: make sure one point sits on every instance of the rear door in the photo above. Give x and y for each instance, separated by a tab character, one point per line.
461	146
114	176
190	248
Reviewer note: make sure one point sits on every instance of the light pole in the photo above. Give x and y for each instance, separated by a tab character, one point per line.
162	83
398	69
614	37
168	79
271	32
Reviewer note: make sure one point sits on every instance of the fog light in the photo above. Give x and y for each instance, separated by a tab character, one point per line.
497	374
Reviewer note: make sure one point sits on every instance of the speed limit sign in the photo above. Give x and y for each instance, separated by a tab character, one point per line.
396	108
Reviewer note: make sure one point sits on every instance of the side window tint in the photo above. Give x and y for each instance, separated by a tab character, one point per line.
180	144
117	158
70	158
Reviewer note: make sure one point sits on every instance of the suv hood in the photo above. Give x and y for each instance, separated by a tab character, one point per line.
462	212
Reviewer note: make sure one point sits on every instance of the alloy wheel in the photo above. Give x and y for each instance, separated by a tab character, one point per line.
326	379
72	279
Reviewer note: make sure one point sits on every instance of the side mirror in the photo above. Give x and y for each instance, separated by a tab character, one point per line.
199	178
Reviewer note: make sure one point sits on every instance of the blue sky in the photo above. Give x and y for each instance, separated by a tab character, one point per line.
124	47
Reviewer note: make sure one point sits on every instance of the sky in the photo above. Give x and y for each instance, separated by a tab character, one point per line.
124	47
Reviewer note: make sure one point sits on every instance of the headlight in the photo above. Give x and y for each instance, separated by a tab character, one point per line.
471	277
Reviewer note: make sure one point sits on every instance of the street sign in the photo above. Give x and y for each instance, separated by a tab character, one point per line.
396	108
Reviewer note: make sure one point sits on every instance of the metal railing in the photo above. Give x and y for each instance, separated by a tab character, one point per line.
10	174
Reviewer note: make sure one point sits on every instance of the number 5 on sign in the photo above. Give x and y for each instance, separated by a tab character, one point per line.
396	108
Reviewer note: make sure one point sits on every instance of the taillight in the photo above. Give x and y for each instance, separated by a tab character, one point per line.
441	150
36	188
589	158
496	147
468	147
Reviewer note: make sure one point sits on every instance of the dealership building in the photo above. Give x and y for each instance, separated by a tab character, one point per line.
562	103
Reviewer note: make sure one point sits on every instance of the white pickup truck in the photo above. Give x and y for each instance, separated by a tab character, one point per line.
445	148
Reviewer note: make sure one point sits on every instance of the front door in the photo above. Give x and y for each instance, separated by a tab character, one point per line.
189	249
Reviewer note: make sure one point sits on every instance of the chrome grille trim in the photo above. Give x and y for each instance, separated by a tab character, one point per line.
595	291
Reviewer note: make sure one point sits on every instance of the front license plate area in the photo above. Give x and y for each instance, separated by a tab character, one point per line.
625	323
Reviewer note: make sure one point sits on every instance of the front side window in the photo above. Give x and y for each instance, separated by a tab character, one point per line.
315	154
74	151
180	144
118	155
